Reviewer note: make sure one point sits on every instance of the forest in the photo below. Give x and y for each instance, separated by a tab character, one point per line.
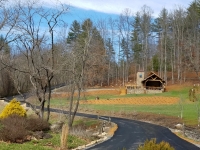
38	52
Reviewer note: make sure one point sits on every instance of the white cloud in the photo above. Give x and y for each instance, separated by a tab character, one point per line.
117	6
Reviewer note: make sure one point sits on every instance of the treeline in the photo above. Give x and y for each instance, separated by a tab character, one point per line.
36	54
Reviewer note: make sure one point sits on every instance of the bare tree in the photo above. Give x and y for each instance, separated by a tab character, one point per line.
52	19
75	67
38	60
192	36
178	25
124	27
8	19
163	25
112	24
85	61
145	17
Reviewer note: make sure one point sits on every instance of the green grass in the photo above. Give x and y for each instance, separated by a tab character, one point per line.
190	114
183	93
25	146
176	93
189	109
45	144
86	122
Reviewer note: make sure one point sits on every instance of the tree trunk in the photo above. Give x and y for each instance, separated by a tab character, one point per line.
71	106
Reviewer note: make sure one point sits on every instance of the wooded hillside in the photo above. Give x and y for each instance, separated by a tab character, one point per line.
36	55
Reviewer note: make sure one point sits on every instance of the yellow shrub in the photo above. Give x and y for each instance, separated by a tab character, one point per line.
152	145
13	108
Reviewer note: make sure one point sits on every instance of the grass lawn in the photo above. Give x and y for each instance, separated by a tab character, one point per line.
189	109
45	144
189	113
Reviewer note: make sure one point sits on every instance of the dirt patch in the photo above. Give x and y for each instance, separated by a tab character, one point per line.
112	129
177	87
114	91
92	92
136	101
163	120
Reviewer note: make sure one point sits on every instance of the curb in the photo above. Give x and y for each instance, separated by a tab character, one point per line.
105	136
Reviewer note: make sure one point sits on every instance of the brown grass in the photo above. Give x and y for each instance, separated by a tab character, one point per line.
178	86
88	93
136	101
112	130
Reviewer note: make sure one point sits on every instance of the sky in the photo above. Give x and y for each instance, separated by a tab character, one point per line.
117	6
101	9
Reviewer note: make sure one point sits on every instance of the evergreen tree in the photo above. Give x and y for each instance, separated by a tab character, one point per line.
124	49
136	41
110	49
75	30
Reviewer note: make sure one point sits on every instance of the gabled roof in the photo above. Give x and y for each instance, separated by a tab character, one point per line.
153	77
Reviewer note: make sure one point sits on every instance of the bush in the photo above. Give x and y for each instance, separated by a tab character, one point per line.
13	107
15	128
152	145
37	124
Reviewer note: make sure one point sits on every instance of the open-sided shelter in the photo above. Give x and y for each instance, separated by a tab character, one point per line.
153	82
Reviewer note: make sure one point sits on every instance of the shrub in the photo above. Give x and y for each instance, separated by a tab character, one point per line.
37	124
13	107
152	145
13	128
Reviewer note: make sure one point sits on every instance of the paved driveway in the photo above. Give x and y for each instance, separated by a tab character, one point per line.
131	133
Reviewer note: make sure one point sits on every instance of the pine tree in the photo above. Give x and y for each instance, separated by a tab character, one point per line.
75	30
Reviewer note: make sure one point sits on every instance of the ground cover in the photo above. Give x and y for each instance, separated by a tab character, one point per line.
174	102
189	114
45	144
165	109
76	138
155	100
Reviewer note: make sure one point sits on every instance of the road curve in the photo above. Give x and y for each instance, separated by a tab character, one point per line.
131	133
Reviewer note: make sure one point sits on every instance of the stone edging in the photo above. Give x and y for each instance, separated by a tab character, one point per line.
104	137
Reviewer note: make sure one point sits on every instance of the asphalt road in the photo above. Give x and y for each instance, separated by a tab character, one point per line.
131	133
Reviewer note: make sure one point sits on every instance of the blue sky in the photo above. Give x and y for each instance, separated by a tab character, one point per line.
81	14
100	9
117	6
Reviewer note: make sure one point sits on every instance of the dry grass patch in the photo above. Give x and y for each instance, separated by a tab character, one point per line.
164	120
136	101
94	92
112	129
